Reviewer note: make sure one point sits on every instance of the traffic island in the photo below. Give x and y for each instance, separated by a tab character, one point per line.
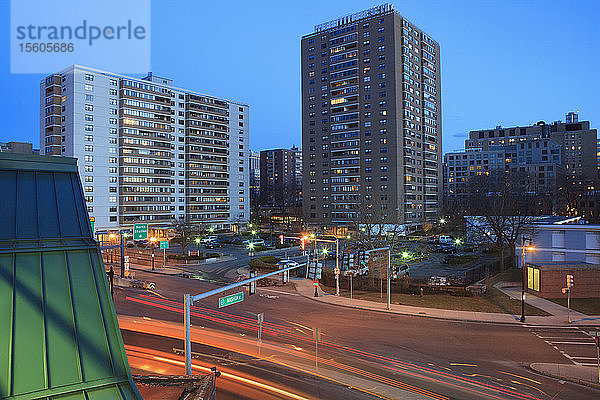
569	372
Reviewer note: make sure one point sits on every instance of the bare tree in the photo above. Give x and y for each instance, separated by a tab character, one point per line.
502	204
185	230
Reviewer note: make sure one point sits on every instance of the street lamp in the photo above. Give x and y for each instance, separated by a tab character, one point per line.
152	240
523	249
198	245
251	248
405	254
211	230
442	221
253	233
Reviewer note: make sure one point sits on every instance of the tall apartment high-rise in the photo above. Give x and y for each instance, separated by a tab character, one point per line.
254	178
298	172
148	151
278	178
371	121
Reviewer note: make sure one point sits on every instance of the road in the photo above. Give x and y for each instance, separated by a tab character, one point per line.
397	355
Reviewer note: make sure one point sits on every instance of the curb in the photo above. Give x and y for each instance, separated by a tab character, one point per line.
516	323
564	378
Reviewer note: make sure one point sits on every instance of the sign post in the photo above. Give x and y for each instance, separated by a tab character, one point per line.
569	285
164	244
596	336
140	231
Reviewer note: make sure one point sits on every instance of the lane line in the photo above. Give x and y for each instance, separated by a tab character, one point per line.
522	377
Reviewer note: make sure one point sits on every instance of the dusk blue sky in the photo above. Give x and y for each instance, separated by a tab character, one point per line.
503	62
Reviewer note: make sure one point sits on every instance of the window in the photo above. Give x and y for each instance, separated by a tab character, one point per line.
88	189
89	179
88	87
112	170
112	160
89	77
112	199
89	128
112	121
112	179
89	107
113	82
113	102
88	158
89	168
113	92
112	131
89	138
89	117
89	147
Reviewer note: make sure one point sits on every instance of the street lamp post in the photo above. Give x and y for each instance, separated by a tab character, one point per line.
523	248
198	245
152	240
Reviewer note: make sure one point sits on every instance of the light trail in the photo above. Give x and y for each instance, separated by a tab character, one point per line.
282	331
239	379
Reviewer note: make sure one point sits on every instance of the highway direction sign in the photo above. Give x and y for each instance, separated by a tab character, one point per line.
140	231
231	299
164	244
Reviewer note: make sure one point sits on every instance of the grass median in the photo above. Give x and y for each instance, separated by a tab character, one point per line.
493	301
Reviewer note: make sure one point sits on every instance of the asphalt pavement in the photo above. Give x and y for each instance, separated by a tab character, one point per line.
452	359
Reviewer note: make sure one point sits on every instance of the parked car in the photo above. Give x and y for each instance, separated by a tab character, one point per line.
256	242
208	239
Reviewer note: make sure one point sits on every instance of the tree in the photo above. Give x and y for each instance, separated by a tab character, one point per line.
185	231
502	205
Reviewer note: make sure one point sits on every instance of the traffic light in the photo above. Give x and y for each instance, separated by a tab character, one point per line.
395	272
303	242
569	281
252	288
281	239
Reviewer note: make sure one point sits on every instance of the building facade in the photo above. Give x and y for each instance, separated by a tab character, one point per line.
576	139
371	121
148	151
254	178
18	148
278	178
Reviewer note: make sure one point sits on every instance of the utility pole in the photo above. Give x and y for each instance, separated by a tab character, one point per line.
122	254
188	341
337	266
389	289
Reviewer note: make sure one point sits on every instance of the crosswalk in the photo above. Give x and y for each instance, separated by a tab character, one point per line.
574	343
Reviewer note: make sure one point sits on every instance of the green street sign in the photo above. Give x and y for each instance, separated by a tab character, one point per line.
231	299
92	224
140	231
164	244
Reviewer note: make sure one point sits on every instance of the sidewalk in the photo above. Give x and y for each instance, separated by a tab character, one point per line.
558	317
575	373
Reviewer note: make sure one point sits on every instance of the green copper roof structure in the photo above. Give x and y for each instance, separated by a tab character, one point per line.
59	335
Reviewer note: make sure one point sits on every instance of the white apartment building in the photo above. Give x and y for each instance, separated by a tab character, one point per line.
148	151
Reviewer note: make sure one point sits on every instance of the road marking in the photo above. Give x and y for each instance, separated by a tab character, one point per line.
300	325
519	376
586	343
279	291
463	365
158	294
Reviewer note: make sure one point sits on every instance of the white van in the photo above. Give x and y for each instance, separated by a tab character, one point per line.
445	239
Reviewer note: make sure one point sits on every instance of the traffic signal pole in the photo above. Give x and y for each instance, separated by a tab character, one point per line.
188	301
